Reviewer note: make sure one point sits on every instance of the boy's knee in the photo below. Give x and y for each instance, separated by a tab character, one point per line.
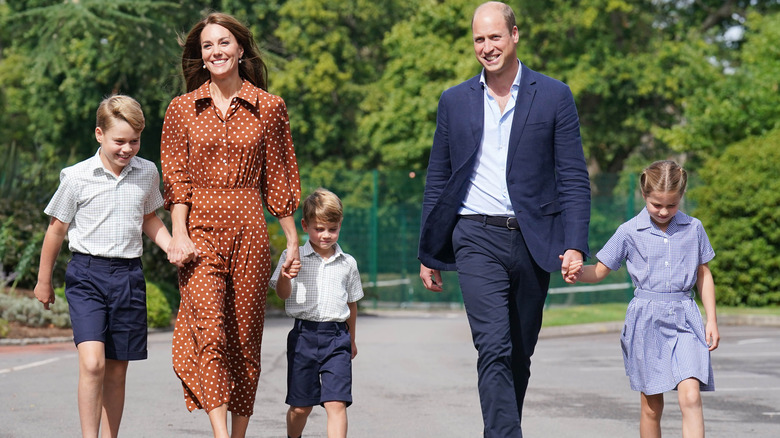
94	366
300	410
334	407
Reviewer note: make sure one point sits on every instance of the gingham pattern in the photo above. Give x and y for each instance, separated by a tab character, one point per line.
322	288
663	341
105	211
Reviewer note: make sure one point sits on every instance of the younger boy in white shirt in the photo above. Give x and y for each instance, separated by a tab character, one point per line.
323	300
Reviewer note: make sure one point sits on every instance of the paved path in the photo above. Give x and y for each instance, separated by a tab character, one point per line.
414	377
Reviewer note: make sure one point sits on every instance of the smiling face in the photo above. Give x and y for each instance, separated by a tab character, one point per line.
662	207
495	45
118	145
220	51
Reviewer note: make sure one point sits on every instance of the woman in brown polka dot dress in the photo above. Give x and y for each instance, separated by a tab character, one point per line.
226	152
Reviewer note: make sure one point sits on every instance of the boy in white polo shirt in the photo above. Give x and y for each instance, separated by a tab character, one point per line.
103	204
323	300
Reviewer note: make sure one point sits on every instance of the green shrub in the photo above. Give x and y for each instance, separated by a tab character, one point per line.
738	205
158	311
30	312
4	328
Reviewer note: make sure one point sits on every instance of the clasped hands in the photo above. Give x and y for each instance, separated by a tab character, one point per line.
571	266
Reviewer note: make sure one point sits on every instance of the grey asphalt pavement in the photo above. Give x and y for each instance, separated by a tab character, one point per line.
414	376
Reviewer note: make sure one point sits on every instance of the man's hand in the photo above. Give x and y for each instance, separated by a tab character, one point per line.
571	265
431	278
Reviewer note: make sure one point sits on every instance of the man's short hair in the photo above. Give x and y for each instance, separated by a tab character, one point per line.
506	11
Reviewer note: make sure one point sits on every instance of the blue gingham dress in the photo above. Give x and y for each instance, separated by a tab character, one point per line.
663	337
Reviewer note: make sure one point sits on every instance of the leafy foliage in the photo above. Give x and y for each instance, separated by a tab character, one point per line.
738	206
743	101
158	311
362	79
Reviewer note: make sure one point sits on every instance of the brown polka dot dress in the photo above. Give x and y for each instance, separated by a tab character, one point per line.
226	170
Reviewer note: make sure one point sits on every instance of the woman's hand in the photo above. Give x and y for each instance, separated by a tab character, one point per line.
292	264
181	250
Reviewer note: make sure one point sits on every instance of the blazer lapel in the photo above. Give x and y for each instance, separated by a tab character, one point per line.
525	99
476	104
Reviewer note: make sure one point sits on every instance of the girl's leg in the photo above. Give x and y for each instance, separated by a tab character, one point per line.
218	419
691	407
337	419
650	417
296	420
92	366
113	396
239	424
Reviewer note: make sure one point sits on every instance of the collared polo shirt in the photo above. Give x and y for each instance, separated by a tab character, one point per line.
659	261
323	288
106	212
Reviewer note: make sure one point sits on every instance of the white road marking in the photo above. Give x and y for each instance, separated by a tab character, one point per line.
30	365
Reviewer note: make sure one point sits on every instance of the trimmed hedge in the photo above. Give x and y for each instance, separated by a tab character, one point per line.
739	206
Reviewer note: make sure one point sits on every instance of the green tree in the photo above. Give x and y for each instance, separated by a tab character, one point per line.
333	51
66	56
742	101
427	53
738	206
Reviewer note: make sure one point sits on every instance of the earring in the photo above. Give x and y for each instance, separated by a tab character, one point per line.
241	61
204	65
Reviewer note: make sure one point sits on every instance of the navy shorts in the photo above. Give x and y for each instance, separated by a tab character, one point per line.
107	302
319	363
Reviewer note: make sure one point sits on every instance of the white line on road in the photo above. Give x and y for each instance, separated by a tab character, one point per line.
756	341
29	365
746	389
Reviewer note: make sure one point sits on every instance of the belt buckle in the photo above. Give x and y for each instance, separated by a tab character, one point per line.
508	226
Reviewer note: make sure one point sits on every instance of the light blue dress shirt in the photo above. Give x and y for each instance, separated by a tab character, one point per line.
488	193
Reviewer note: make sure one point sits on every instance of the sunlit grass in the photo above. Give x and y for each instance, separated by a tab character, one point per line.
592	313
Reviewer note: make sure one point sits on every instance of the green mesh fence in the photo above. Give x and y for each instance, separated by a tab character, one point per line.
382	224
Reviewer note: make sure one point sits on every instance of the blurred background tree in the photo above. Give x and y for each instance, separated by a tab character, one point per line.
654	79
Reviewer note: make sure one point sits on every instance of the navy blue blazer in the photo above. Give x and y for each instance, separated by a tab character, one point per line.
546	172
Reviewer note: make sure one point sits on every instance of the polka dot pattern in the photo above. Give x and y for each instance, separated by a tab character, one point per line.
226	169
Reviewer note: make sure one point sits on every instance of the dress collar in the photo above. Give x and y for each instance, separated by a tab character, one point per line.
248	92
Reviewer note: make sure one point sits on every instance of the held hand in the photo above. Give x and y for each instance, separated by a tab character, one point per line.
712	336
292	264
292	270
431	278
571	266
45	294
181	250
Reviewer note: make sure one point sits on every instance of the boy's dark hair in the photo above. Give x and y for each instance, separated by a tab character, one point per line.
322	205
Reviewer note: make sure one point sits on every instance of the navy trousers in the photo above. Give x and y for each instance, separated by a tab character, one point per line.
504	292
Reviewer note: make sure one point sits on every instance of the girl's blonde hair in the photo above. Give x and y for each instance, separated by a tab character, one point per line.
322	205
120	107
663	176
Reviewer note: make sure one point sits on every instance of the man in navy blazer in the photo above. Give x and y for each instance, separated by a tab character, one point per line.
507	201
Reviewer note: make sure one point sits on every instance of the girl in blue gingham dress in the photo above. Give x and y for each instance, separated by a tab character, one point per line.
665	344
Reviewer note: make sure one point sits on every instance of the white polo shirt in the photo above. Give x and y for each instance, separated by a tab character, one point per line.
323	288
105	212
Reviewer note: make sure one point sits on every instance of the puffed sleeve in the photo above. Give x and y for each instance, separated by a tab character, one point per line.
614	251
174	156
280	181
